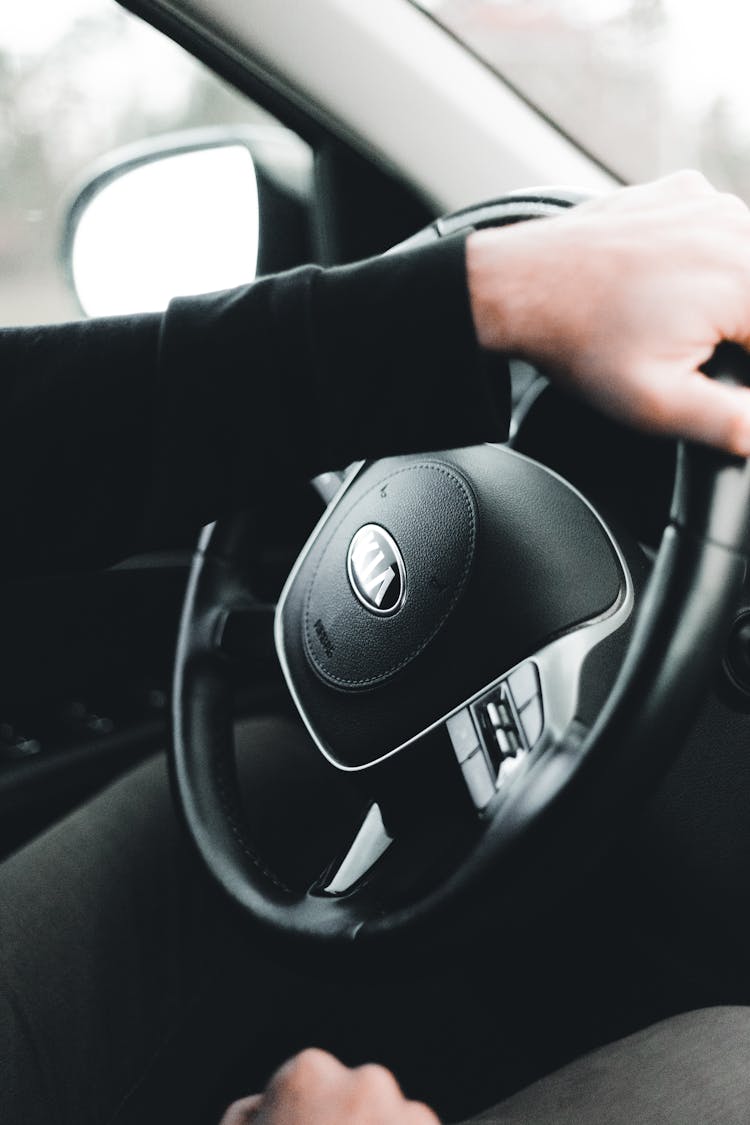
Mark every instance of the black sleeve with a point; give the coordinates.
(121, 433)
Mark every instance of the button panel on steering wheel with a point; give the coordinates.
(487, 584)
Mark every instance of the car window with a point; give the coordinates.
(78, 79)
(647, 86)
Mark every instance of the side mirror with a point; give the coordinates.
(174, 217)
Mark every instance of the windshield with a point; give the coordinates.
(647, 86)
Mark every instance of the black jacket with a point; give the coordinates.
(120, 434)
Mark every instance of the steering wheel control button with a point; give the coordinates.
(503, 739)
(376, 570)
(493, 714)
(479, 780)
(498, 714)
(508, 769)
(524, 684)
(463, 734)
(377, 654)
(507, 731)
(532, 721)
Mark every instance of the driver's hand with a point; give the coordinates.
(314, 1088)
(623, 299)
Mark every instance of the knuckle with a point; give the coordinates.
(738, 426)
(308, 1069)
(733, 202)
(690, 179)
(240, 1112)
(420, 1114)
(655, 405)
(377, 1080)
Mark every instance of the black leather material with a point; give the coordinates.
(203, 764)
(430, 511)
(462, 624)
(567, 798)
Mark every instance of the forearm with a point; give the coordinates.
(126, 434)
(122, 435)
(75, 459)
(309, 371)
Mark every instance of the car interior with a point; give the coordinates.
(539, 924)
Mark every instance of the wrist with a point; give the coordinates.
(500, 279)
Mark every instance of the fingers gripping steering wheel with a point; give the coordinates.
(461, 637)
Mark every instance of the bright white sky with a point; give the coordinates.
(35, 25)
(703, 53)
(142, 218)
(136, 57)
(703, 50)
(707, 49)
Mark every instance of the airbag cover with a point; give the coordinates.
(500, 556)
(428, 509)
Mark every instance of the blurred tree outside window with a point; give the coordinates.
(78, 79)
(647, 86)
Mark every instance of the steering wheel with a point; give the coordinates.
(465, 637)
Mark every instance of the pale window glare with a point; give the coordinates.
(29, 28)
(186, 224)
(79, 79)
(648, 86)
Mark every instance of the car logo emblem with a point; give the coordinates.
(376, 570)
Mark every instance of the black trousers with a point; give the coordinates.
(131, 993)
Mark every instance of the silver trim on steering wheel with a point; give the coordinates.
(559, 663)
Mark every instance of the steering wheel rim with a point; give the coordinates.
(573, 793)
